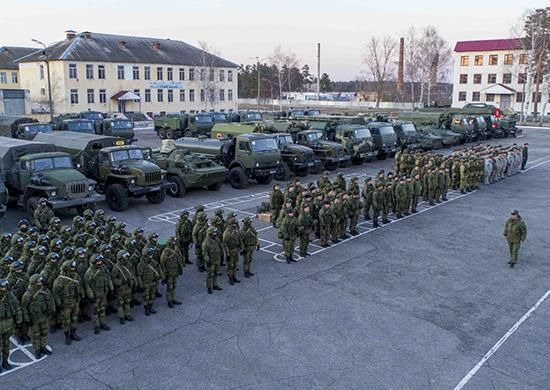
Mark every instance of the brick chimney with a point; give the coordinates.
(87, 34)
(400, 66)
(70, 34)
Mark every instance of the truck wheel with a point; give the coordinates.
(357, 160)
(188, 133)
(162, 133)
(169, 134)
(156, 197)
(282, 173)
(237, 178)
(117, 197)
(264, 179)
(215, 186)
(330, 166)
(180, 190)
(30, 206)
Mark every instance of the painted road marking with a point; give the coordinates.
(499, 343)
(19, 365)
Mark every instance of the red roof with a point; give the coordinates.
(489, 45)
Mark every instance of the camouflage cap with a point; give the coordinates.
(218, 212)
(247, 220)
(515, 212)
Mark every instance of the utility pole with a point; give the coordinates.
(48, 74)
(259, 83)
(318, 71)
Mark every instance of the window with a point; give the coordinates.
(478, 60)
(506, 78)
(182, 95)
(147, 95)
(203, 74)
(477, 78)
(490, 97)
(523, 59)
(89, 71)
(537, 97)
(522, 78)
(160, 95)
(43, 91)
(101, 71)
(191, 95)
(462, 96)
(74, 96)
(170, 95)
(120, 72)
(182, 74)
(230, 94)
(136, 91)
(191, 74)
(41, 72)
(464, 61)
(508, 59)
(492, 78)
(222, 75)
(202, 95)
(102, 96)
(72, 71)
(159, 73)
(519, 97)
(147, 73)
(14, 77)
(493, 59)
(230, 75)
(90, 95)
(222, 95)
(3, 78)
(211, 78)
(463, 79)
(475, 96)
(211, 95)
(135, 72)
(169, 75)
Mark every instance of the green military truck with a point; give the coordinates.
(385, 139)
(121, 171)
(34, 170)
(187, 170)
(77, 125)
(408, 137)
(436, 124)
(173, 126)
(297, 159)
(246, 116)
(116, 127)
(331, 154)
(246, 156)
(96, 117)
(10, 124)
(358, 142)
(29, 131)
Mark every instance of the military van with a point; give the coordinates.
(121, 171)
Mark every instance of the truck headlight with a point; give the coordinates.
(277, 161)
(78, 166)
(91, 187)
(258, 164)
(53, 193)
(132, 181)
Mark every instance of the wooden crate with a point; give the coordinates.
(264, 217)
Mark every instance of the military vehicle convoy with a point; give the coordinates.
(34, 170)
(121, 171)
(440, 125)
(246, 156)
(173, 126)
(10, 124)
(187, 170)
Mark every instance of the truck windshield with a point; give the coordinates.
(313, 113)
(43, 164)
(204, 119)
(127, 154)
(81, 127)
(121, 125)
(264, 145)
(252, 116)
(315, 136)
(408, 128)
(297, 113)
(219, 117)
(35, 129)
(285, 139)
(362, 133)
(386, 130)
(92, 115)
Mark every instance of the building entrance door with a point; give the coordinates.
(505, 101)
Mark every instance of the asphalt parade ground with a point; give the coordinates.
(425, 302)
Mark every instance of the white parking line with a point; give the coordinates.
(499, 343)
(19, 365)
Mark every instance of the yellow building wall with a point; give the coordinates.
(9, 83)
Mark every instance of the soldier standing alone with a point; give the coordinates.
(288, 233)
(515, 232)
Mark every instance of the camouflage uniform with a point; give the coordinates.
(305, 227)
(37, 308)
(233, 246)
(124, 282)
(98, 284)
(276, 201)
(67, 292)
(10, 316)
(171, 261)
(199, 235)
(149, 274)
(250, 242)
(19, 281)
(213, 252)
(288, 233)
(184, 236)
(42, 215)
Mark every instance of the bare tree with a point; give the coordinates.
(412, 60)
(283, 61)
(208, 79)
(379, 59)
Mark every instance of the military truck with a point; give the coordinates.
(173, 126)
(34, 170)
(9, 124)
(246, 116)
(29, 130)
(246, 156)
(437, 123)
(121, 171)
(357, 141)
(331, 154)
(77, 125)
(219, 117)
(408, 137)
(96, 117)
(187, 170)
(385, 139)
(115, 127)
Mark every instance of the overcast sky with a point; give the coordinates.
(241, 29)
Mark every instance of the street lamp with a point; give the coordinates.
(258, 60)
(48, 72)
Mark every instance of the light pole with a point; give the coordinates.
(48, 72)
(258, 60)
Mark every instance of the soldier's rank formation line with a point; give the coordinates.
(55, 277)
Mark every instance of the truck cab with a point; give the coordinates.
(78, 126)
(247, 116)
(385, 139)
(122, 128)
(463, 124)
(407, 136)
(219, 117)
(331, 154)
(357, 141)
(95, 116)
(29, 130)
(295, 158)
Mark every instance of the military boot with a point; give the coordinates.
(176, 302)
(96, 330)
(170, 305)
(68, 338)
(105, 327)
(236, 280)
(217, 288)
(129, 318)
(45, 351)
(147, 312)
(74, 336)
(151, 310)
(122, 321)
(231, 281)
(37, 355)
(6, 365)
(209, 290)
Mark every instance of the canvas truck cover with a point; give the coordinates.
(11, 150)
(77, 143)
